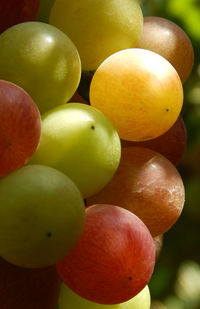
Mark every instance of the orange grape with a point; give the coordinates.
(139, 91)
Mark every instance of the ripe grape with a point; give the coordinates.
(98, 28)
(69, 299)
(170, 41)
(148, 185)
(42, 60)
(139, 91)
(20, 127)
(17, 11)
(41, 216)
(80, 141)
(171, 144)
(114, 259)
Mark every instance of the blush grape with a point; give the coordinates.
(170, 41)
(147, 184)
(114, 259)
(171, 144)
(20, 127)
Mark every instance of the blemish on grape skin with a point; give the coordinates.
(167, 109)
(130, 278)
(93, 127)
(49, 234)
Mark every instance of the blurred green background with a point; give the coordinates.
(175, 283)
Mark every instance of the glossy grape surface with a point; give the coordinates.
(41, 216)
(42, 60)
(139, 91)
(170, 41)
(80, 141)
(20, 127)
(98, 28)
(69, 299)
(147, 184)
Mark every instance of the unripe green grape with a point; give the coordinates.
(69, 299)
(80, 141)
(42, 60)
(41, 216)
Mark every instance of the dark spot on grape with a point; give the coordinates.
(93, 127)
(167, 109)
(49, 234)
(9, 143)
(130, 278)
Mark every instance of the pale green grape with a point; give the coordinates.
(41, 216)
(98, 28)
(81, 142)
(69, 299)
(42, 60)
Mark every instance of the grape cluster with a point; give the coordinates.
(87, 188)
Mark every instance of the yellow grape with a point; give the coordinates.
(139, 91)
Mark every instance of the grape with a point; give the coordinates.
(114, 259)
(20, 127)
(170, 41)
(17, 11)
(98, 28)
(42, 60)
(171, 144)
(41, 216)
(28, 288)
(80, 141)
(148, 185)
(139, 91)
(69, 299)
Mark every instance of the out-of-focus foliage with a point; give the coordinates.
(176, 280)
(188, 11)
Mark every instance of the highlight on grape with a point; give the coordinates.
(89, 183)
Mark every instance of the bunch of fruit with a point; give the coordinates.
(87, 189)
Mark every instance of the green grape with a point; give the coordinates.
(80, 141)
(98, 28)
(69, 299)
(42, 60)
(41, 216)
